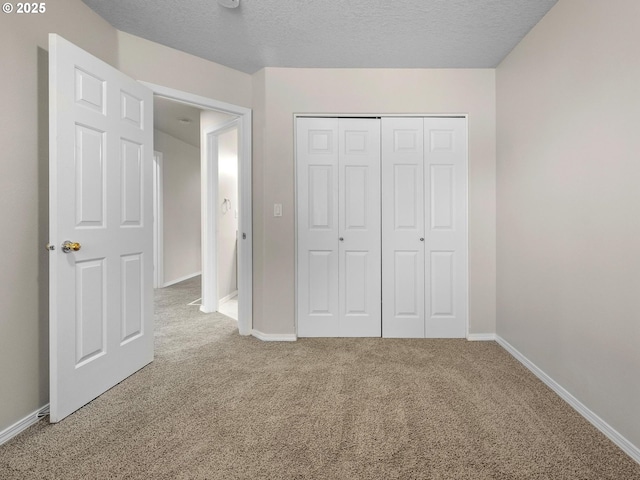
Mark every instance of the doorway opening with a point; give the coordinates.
(221, 149)
(223, 187)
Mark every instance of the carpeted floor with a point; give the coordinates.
(214, 405)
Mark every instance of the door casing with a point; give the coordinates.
(158, 215)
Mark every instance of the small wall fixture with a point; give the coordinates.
(229, 3)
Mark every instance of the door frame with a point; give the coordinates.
(158, 218)
(209, 204)
(210, 296)
(371, 115)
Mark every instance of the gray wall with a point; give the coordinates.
(281, 92)
(181, 202)
(568, 223)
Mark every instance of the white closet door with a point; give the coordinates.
(446, 227)
(360, 261)
(421, 277)
(317, 205)
(403, 228)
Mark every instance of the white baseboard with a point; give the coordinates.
(481, 337)
(274, 337)
(21, 425)
(228, 297)
(181, 279)
(611, 433)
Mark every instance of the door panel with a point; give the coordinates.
(132, 291)
(317, 227)
(90, 91)
(359, 200)
(91, 319)
(320, 197)
(101, 318)
(356, 201)
(131, 109)
(321, 282)
(131, 177)
(446, 238)
(406, 296)
(442, 284)
(402, 227)
(90, 177)
(442, 201)
(356, 283)
(407, 198)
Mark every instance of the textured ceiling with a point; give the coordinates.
(332, 33)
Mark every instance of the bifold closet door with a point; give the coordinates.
(424, 229)
(403, 293)
(317, 226)
(338, 226)
(446, 257)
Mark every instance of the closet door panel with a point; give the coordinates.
(359, 219)
(317, 227)
(446, 220)
(403, 227)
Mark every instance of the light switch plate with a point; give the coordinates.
(277, 209)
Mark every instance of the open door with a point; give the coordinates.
(101, 227)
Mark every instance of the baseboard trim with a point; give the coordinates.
(481, 337)
(274, 337)
(21, 425)
(181, 279)
(611, 433)
(228, 297)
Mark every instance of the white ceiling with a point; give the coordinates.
(167, 116)
(332, 33)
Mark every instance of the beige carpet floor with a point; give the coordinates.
(214, 405)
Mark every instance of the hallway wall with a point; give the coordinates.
(181, 220)
(228, 218)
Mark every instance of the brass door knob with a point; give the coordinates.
(68, 246)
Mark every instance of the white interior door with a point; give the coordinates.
(317, 226)
(101, 147)
(338, 224)
(446, 264)
(359, 240)
(403, 227)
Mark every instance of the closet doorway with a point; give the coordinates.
(381, 240)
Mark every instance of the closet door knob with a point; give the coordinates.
(422, 239)
(341, 239)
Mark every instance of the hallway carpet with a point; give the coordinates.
(214, 405)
